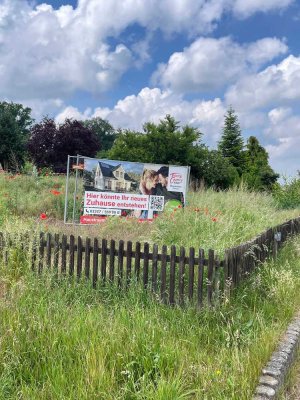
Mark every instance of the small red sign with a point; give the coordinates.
(91, 219)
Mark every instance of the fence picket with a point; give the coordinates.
(112, 260)
(41, 253)
(87, 258)
(128, 262)
(191, 273)
(56, 253)
(48, 250)
(72, 255)
(79, 257)
(172, 275)
(210, 276)
(163, 276)
(103, 259)
(146, 265)
(120, 262)
(154, 267)
(137, 260)
(95, 262)
(200, 277)
(63, 254)
(181, 275)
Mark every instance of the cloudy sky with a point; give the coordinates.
(132, 61)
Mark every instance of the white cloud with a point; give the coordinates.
(245, 8)
(153, 105)
(58, 51)
(277, 84)
(212, 63)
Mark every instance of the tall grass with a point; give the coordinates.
(64, 340)
(210, 220)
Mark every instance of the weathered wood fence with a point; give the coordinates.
(175, 276)
(240, 261)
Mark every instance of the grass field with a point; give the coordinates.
(64, 340)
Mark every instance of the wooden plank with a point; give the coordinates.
(41, 253)
(200, 278)
(128, 262)
(103, 259)
(120, 262)
(172, 275)
(56, 253)
(154, 267)
(72, 255)
(33, 253)
(210, 275)
(191, 272)
(48, 250)
(63, 254)
(79, 257)
(87, 258)
(146, 265)
(112, 248)
(163, 276)
(181, 275)
(137, 260)
(95, 262)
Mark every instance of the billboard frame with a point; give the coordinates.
(76, 166)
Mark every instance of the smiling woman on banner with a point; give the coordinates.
(173, 199)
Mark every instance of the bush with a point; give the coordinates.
(288, 194)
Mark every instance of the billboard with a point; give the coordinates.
(123, 188)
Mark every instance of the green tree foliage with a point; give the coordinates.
(49, 145)
(163, 143)
(231, 144)
(15, 122)
(218, 172)
(104, 131)
(258, 174)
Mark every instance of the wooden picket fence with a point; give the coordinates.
(175, 276)
(240, 261)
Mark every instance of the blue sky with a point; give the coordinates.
(136, 61)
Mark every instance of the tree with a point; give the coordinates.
(231, 144)
(258, 173)
(162, 143)
(15, 122)
(49, 145)
(104, 131)
(218, 172)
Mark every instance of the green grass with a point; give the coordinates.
(64, 340)
(216, 220)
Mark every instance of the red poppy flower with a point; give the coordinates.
(55, 192)
(214, 219)
(197, 209)
(180, 206)
(43, 216)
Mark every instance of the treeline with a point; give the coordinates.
(48, 144)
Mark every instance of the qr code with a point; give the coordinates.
(156, 203)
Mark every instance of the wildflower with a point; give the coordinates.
(180, 206)
(206, 210)
(55, 192)
(197, 209)
(43, 216)
(214, 219)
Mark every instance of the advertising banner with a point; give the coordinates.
(122, 188)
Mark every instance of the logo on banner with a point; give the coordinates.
(176, 178)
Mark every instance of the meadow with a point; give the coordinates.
(61, 339)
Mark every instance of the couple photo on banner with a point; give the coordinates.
(155, 183)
